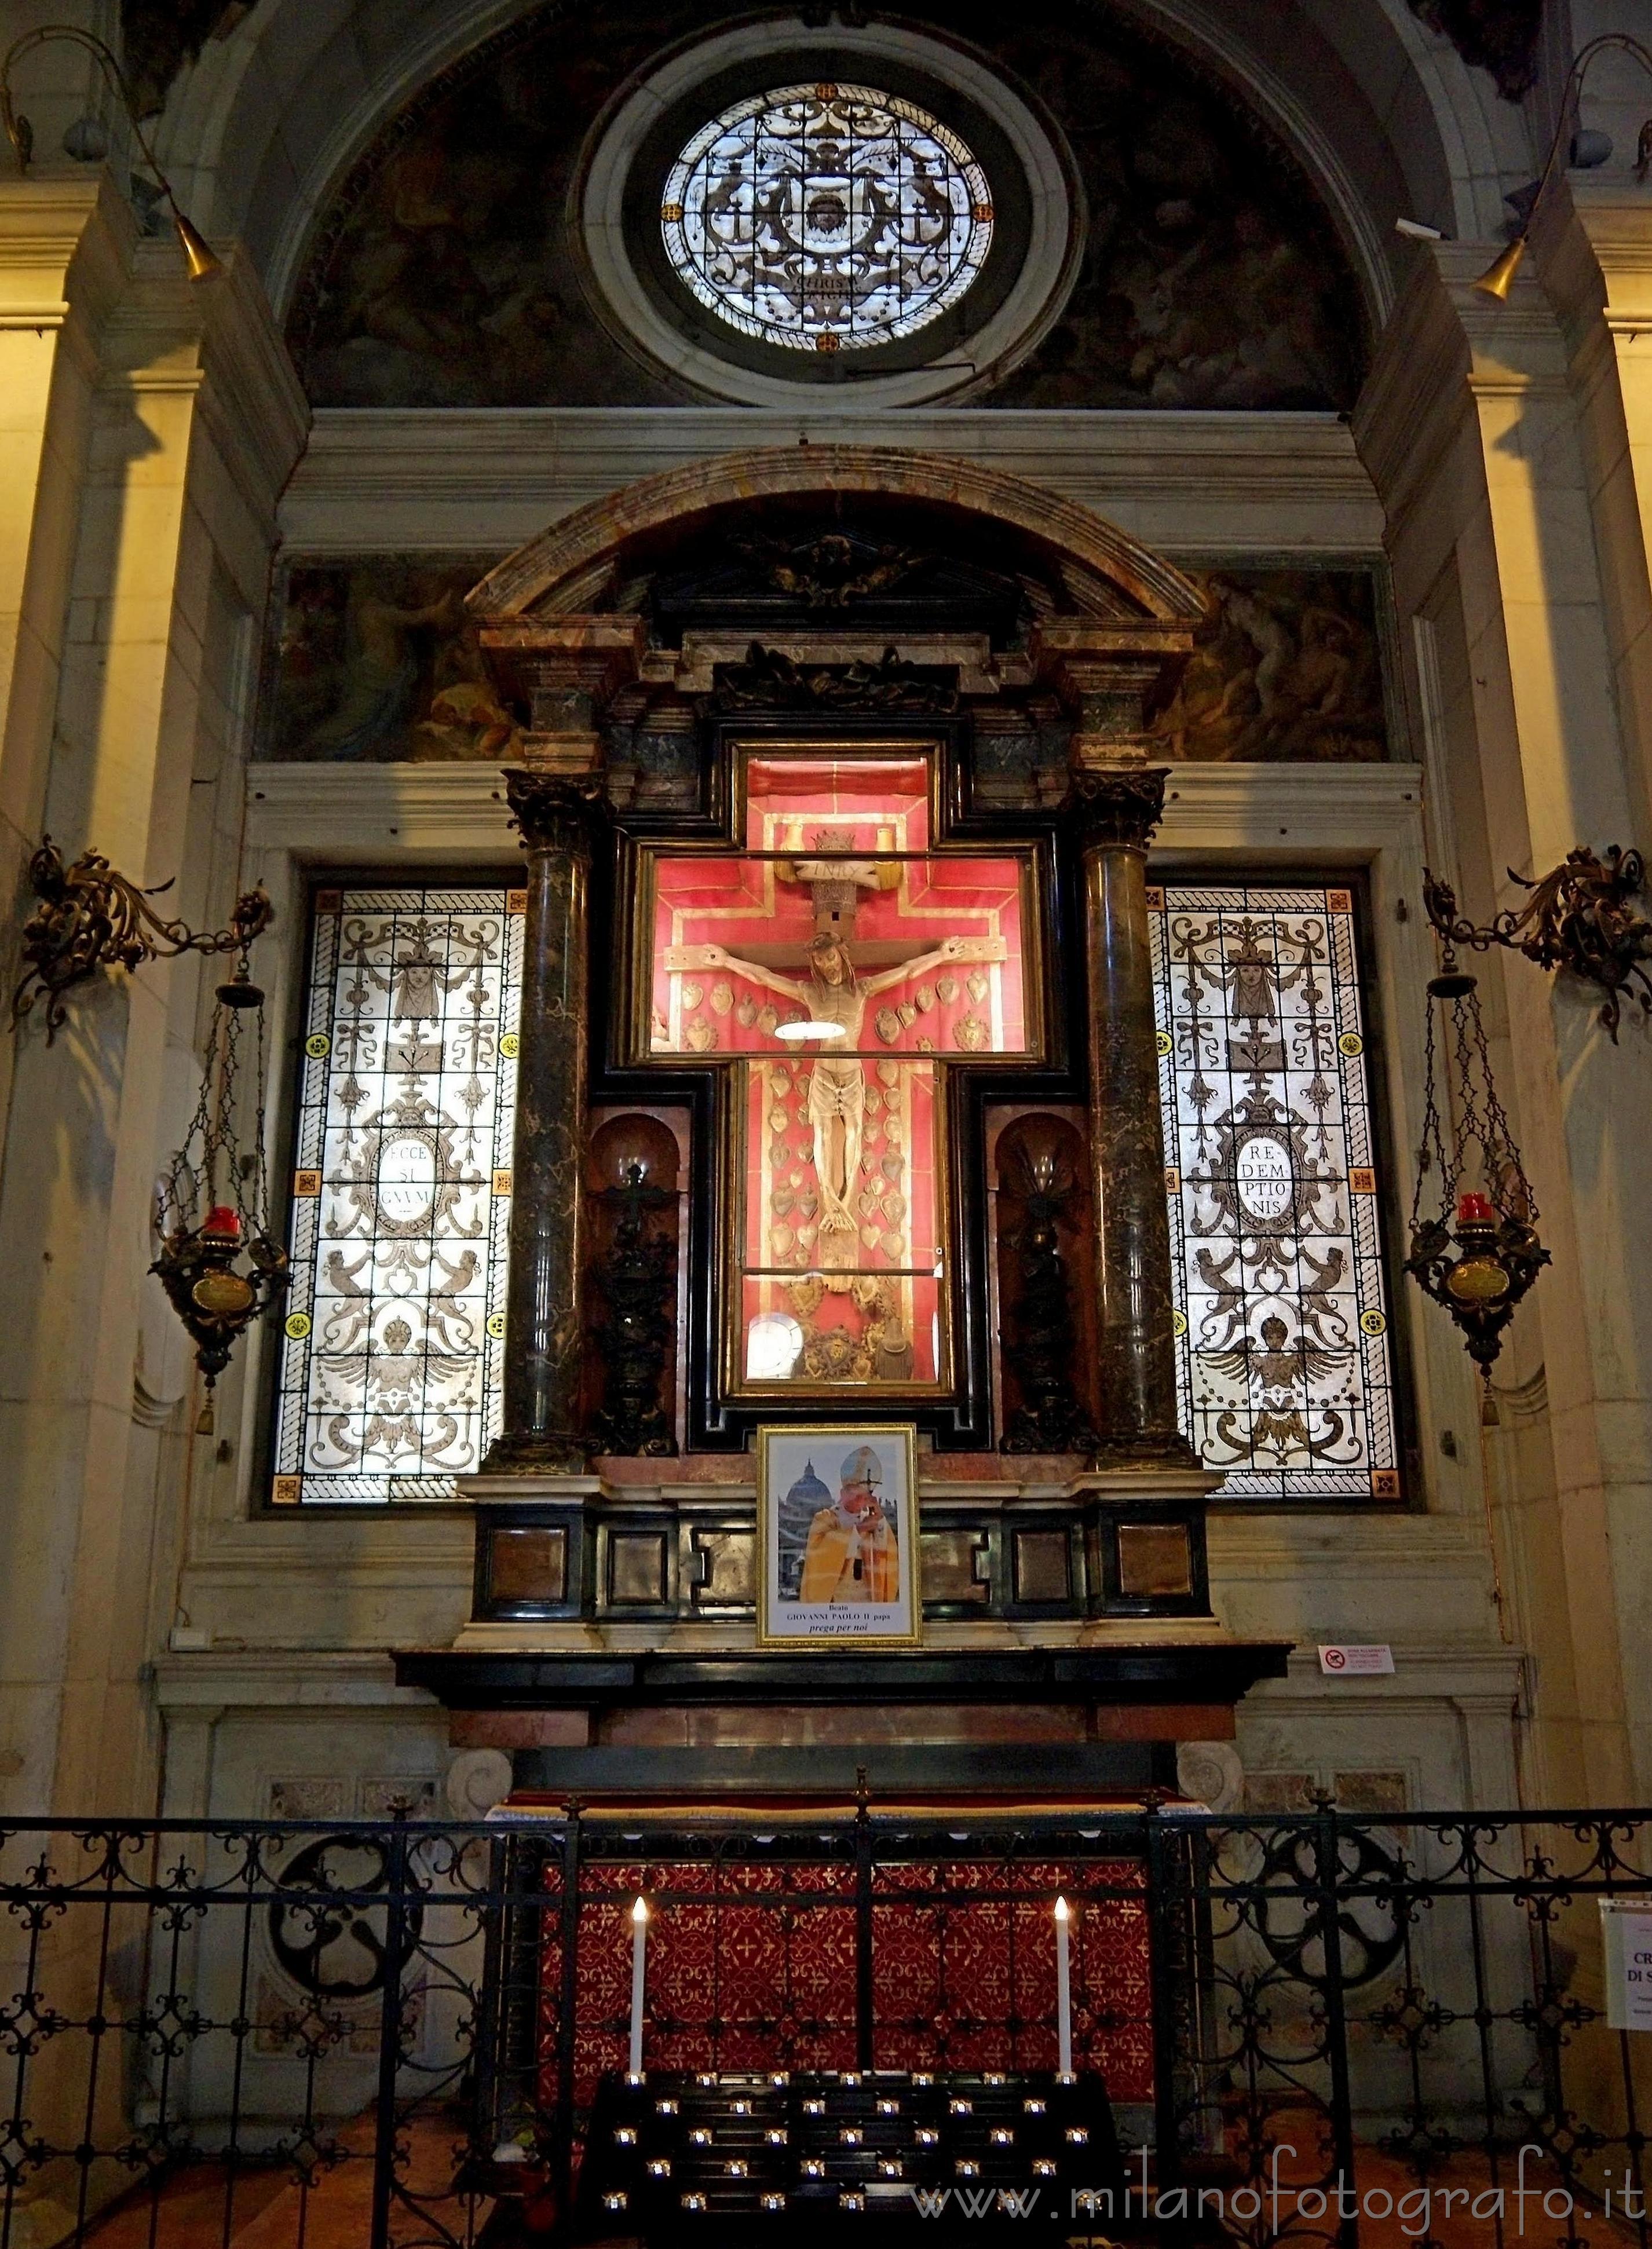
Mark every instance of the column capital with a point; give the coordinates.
(1593, 244)
(51, 225)
(1119, 806)
(555, 811)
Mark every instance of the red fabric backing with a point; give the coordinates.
(752, 1967)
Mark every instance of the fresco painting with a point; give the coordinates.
(446, 273)
(375, 662)
(1289, 667)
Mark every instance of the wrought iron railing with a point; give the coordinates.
(1307, 2023)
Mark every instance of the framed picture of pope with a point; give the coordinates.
(837, 1536)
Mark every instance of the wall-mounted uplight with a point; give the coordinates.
(86, 139)
(1585, 150)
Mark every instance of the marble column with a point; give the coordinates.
(558, 814)
(1116, 811)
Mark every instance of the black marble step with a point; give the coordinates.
(1086, 1772)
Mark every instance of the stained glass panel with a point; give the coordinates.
(826, 217)
(392, 1356)
(1285, 1367)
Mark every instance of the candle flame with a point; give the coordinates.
(1062, 1909)
(639, 1911)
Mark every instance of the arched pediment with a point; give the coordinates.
(576, 566)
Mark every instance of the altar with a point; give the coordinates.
(843, 1419)
(840, 1554)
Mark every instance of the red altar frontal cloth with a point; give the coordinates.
(751, 1954)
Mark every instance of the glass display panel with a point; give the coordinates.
(391, 1368)
(861, 1302)
(1286, 1364)
(933, 955)
(826, 217)
(883, 801)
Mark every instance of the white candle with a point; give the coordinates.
(639, 1949)
(1063, 1990)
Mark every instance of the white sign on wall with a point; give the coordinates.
(1341, 1660)
(1626, 1938)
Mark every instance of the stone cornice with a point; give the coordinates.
(357, 452)
(480, 482)
(65, 245)
(589, 658)
(343, 814)
(1593, 251)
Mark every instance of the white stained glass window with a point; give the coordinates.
(392, 1359)
(826, 217)
(1286, 1367)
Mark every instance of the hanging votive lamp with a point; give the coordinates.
(219, 1264)
(1479, 1253)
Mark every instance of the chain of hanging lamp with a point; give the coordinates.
(218, 1262)
(1478, 1254)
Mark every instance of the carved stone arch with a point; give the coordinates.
(568, 569)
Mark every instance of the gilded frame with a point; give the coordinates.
(781, 1451)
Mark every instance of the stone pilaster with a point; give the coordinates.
(558, 814)
(65, 248)
(1475, 424)
(171, 421)
(1116, 812)
(1593, 253)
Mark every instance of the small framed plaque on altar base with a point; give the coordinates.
(837, 1536)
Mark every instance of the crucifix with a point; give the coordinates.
(839, 968)
(837, 996)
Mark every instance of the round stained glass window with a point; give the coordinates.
(826, 217)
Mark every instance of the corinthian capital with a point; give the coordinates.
(555, 812)
(1120, 806)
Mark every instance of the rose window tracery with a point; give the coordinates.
(826, 217)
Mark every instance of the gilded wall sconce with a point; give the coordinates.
(91, 916)
(1578, 918)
